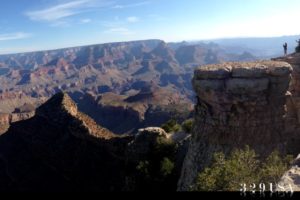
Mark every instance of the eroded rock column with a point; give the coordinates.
(239, 104)
(294, 60)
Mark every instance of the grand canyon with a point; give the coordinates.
(122, 86)
(150, 96)
(87, 118)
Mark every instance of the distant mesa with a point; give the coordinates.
(123, 68)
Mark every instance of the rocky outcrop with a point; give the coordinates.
(294, 60)
(152, 131)
(144, 142)
(239, 104)
(150, 147)
(61, 109)
(290, 181)
(16, 117)
(292, 177)
(7, 119)
(61, 149)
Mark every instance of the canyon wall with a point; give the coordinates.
(294, 60)
(292, 177)
(241, 104)
(7, 119)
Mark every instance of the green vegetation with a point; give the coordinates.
(167, 167)
(157, 171)
(171, 126)
(241, 166)
(274, 166)
(143, 167)
(187, 125)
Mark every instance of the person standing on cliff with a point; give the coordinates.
(285, 46)
(298, 46)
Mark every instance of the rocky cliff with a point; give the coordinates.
(294, 60)
(292, 177)
(60, 149)
(241, 104)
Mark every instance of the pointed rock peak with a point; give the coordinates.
(58, 104)
(61, 112)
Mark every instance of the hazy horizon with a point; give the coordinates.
(36, 25)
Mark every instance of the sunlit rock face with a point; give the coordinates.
(239, 104)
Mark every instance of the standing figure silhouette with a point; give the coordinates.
(285, 47)
(298, 46)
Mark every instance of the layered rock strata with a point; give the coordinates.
(239, 104)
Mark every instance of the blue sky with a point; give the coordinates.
(29, 25)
